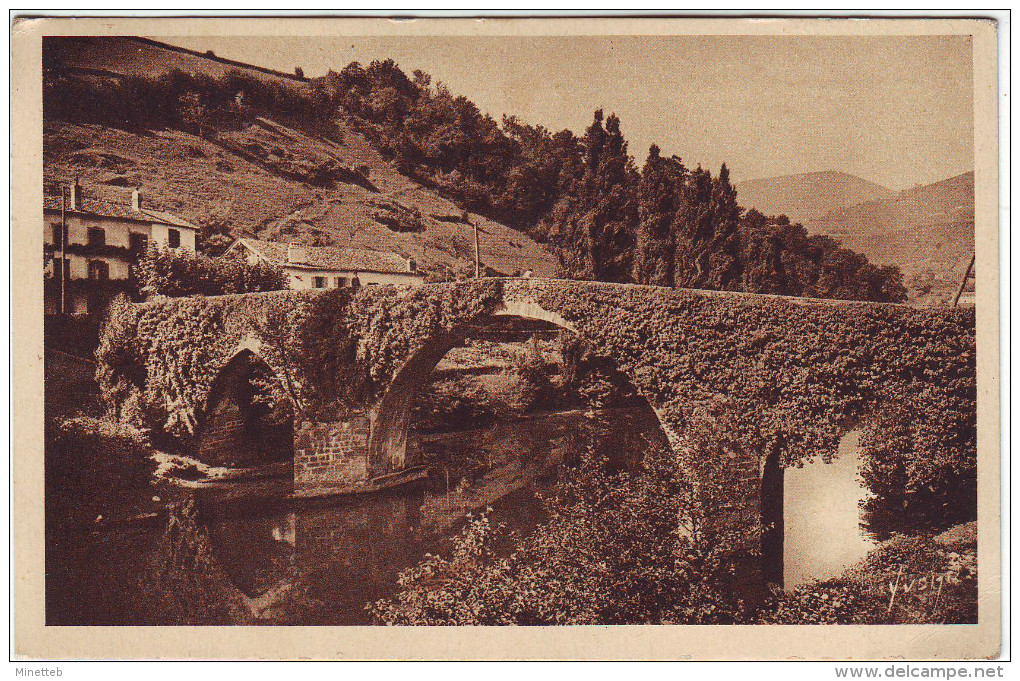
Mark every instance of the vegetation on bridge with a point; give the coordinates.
(770, 375)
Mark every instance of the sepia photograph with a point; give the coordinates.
(427, 326)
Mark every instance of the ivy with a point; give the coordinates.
(773, 372)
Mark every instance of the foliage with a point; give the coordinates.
(94, 464)
(934, 579)
(452, 403)
(613, 552)
(591, 377)
(665, 225)
(193, 102)
(216, 232)
(176, 272)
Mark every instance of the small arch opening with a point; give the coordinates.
(246, 422)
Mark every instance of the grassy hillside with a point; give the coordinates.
(134, 56)
(926, 227)
(808, 196)
(278, 183)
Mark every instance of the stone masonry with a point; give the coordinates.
(332, 453)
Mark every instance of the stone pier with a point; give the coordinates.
(332, 454)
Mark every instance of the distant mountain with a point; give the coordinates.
(808, 196)
(925, 227)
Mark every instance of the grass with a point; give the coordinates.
(194, 177)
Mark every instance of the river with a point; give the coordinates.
(322, 561)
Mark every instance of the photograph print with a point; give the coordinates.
(516, 328)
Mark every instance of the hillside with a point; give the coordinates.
(266, 179)
(925, 227)
(808, 196)
(262, 181)
(372, 157)
(135, 56)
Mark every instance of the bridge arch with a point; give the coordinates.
(238, 425)
(391, 416)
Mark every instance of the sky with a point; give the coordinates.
(896, 110)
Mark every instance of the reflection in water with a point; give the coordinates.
(322, 561)
(347, 552)
(822, 516)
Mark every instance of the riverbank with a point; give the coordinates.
(928, 579)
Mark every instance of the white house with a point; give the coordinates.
(103, 240)
(329, 266)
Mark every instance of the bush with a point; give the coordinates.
(614, 552)
(175, 273)
(935, 581)
(74, 334)
(94, 465)
(452, 404)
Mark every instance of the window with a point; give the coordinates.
(99, 270)
(173, 238)
(139, 243)
(318, 282)
(97, 236)
(341, 282)
(55, 234)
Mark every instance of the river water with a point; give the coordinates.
(322, 561)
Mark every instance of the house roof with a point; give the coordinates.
(332, 258)
(120, 211)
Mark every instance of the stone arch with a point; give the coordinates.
(391, 417)
(772, 501)
(236, 429)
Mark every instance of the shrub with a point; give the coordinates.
(92, 466)
(914, 488)
(613, 552)
(935, 582)
(174, 273)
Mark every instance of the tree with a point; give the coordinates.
(174, 272)
(599, 219)
(660, 193)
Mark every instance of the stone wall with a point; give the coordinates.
(332, 453)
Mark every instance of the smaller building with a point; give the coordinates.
(309, 267)
(93, 244)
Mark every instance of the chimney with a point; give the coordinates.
(296, 254)
(74, 192)
(136, 200)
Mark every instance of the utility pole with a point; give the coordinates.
(63, 250)
(478, 262)
(963, 284)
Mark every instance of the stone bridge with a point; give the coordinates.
(743, 385)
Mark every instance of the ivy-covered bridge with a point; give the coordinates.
(743, 385)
